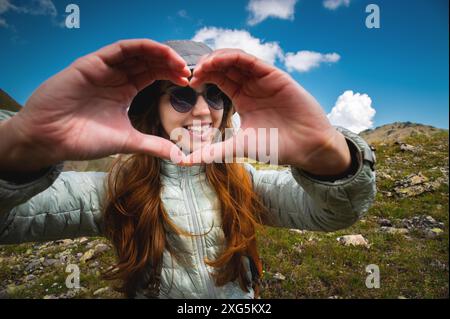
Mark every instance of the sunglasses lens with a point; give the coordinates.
(216, 98)
(183, 99)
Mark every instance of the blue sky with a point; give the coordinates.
(399, 70)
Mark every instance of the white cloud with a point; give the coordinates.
(304, 61)
(39, 7)
(263, 9)
(353, 111)
(271, 52)
(218, 38)
(182, 13)
(33, 7)
(5, 5)
(334, 4)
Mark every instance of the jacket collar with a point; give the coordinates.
(172, 170)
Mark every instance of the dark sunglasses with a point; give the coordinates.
(183, 99)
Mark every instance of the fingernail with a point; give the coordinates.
(197, 70)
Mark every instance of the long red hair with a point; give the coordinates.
(136, 222)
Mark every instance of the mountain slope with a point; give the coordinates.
(397, 131)
(8, 103)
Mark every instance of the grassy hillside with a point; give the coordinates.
(413, 261)
(8, 103)
(405, 233)
(397, 131)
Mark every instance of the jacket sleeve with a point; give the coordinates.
(298, 200)
(52, 205)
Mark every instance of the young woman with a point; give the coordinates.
(179, 231)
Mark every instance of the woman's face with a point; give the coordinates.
(199, 122)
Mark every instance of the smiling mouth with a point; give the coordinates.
(201, 132)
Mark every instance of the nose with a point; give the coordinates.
(201, 108)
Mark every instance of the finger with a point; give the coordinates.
(234, 58)
(133, 66)
(237, 75)
(139, 69)
(228, 86)
(144, 79)
(202, 59)
(138, 65)
(99, 73)
(155, 146)
(243, 143)
(96, 70)
(222, 152)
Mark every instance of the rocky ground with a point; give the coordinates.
(405, 234)
(40, 270)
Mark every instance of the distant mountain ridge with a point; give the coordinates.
(397, 132)
(8, 103)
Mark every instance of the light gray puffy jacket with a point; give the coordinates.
(60, 205)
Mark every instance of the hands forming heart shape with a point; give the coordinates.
(81, 112)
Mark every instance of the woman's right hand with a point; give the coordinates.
(81, 112)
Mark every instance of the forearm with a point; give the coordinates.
(18, 155)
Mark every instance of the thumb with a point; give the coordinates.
(222, 152)
(260, 146)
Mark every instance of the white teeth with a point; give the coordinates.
(198, 129)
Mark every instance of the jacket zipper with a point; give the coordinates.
(204, 272)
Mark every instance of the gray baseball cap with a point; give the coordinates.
(190, 51)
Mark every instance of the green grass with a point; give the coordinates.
(315, 264)
(324, 268)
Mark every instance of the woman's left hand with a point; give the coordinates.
(267, 97)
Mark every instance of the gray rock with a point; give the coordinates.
(384, 175)
(279, 276)
(87, 256)
(30, 277)
(408, 148)
(100, 248)
(64, 242)
(72, 293)
(439, 265)
(101, 291)
(83, 240)
(384, 222)
(297, 231)
(421, 222)
(416, 184)
(432, 233)
(50, 262)
(353, 240)
(394, 231)
(33, 265)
